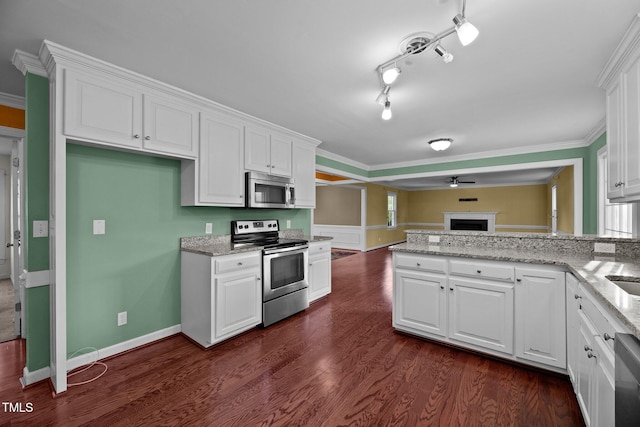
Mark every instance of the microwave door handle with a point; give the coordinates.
(290, 195)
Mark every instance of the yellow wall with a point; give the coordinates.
(564, 182)
(516, 205)
(11, 117)
(336, 205)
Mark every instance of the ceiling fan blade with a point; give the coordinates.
(466, 182)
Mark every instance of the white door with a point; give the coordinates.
(17, 254)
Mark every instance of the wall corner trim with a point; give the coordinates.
(28, 63)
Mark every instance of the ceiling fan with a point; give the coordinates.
(454, 181)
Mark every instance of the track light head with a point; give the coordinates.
(466, 31)
(390, 74)
(446, 55)
(386, 113)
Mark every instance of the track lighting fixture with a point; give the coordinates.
(386, 112)
(446, 56)
(422, 42)
(440, 144)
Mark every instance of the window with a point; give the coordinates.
(614, 219)
(392, 214)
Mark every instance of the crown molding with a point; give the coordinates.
(596, 132)
(28, 63)
(12, 101)
(338, 158)
(627, 50)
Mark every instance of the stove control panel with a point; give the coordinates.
(259, 226)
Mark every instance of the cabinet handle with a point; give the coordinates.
(576, 296)
(147, 137)
(518, 280)
(587, 348)
(268, 166)
(590, 355)
(441, 287)
(479, 271)
(451, 289)
(239, 263)
(258, 279)
(608, 337)
(136, 136)
(273, 166)
(418, 264)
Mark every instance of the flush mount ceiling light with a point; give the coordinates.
(440, 144)
(421, 42)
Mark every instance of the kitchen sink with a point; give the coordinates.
(629, 284)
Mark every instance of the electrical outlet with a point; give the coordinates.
(208, 228)
(122, 318)
(288, 223)
(434, 239)
(604, 248)
(99, 226)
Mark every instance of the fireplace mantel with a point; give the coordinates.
(489, 216)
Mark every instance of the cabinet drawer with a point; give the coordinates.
(482, 270)
(231, 263)
(319, 248)
(421, 262)
(597, 318)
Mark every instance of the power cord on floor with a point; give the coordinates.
(87, 367)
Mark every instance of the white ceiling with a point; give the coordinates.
(526, 83)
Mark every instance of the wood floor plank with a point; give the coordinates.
(339, 363)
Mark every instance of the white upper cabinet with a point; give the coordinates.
(216, 178)
(304, 175)
(267, 152)
(102, 110)
(111, 111)
(621, 80)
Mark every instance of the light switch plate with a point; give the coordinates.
(208, 228)
(122, 318)
(99, 226)
(434, 239)
(40, 228)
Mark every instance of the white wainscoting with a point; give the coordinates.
(344, 236)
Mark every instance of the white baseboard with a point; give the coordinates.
(29, 378)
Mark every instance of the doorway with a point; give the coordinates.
(11, 227)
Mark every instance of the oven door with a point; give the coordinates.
(284, 271)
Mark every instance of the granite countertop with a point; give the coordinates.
(589, 269)
(220, 245)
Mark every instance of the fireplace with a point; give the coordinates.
(470, 221)
(470, 224)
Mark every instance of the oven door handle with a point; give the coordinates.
(285, 250)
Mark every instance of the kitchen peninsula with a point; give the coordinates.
(547, 301)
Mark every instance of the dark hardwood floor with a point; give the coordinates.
(338, 363)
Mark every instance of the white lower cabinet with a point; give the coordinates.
(540, 316)
(502, 308)
(592, 358)
(573, 305)
(319, 269)
(221, 296)
(481, 313)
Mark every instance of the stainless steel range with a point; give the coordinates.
(284, 267)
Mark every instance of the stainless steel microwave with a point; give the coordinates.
(269, 191)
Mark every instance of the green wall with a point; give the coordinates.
(135, 266)
(36, 193)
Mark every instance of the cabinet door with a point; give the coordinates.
(572, 328)
(102, 110)
(304, 175)
(170, 127)
(615, 134)
(586, 368)
(420, 303)
(319, 276)
(631, 140)
(481, 313)
(257, 151)
(540, 316)
(281, 155)
(238, 303)
(221, 175)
